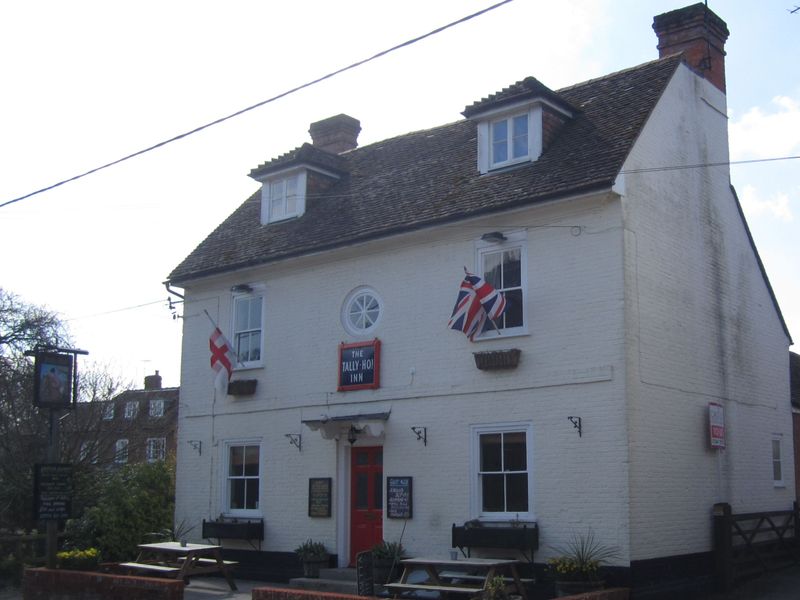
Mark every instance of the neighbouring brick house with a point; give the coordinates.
(136, 426)
(639, 314)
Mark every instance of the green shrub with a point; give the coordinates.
(78, 560)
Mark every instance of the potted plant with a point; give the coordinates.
(313, 555)
(576, 570)
(385, 559)
(78, 560)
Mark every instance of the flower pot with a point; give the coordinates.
(311, 567)
(382, 571)
(570, 588)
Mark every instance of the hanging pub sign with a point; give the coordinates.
(716, 425)
(52, 385)
(52, 491)
(399, 499)
(359, 366)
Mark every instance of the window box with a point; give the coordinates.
(242, 387)
(524, 538)
(234, 529)
(497, 359)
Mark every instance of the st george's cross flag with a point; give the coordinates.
(477, 301)
(222, 358)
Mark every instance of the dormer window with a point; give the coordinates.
(509, 140)
(283, 197)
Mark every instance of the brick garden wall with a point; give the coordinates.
(59, 584)
(267, 593)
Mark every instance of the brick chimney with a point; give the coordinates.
(700, 35)
(152, 382)
(336, 134)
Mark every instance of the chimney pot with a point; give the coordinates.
(700, 35)
(336, 134)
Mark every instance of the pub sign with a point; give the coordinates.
(52, 385)
(716, 425)
(359, 366)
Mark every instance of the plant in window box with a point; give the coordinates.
(313, 555)
(577, 569)
(385, 561)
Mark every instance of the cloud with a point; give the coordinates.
(755, 206)
(767, 132)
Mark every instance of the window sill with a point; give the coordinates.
(248, 367)
(504, 334)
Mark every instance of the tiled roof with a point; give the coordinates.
(530, 87)
(430, 177)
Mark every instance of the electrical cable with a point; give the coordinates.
(262, 103)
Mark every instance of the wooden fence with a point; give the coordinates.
(749, 544)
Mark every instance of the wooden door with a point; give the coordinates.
(366, 499)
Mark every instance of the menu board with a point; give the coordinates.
(319, 497)
(52, 491)
(399, 499)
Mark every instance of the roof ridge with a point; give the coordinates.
(620, 72)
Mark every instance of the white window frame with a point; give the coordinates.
(777, 461)
(486, 162)
(88, 451)
(257, 293)
(514, 239)
(108, 411)
(131, 409)
(156, 449)
(346, 306)
(225, 479)
(156, 408)
(475, 482)
(279, 181)
(121, 451)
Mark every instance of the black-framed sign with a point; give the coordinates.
(319, 496)
(359, 366)
(52, 491)
(52, 384)
(399, 498)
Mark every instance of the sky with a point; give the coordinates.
(88, 82)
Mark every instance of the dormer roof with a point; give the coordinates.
(304, 156)
(529, 89)
(428, 178)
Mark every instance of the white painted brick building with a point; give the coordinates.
(639, 299)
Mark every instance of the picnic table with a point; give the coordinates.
(469, 576)
(181, 561)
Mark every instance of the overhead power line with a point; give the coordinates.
(263, 102)
(706, 165)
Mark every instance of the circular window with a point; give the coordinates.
(361, 311)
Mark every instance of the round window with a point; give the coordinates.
(361, 311)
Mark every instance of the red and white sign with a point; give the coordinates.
(716, 425)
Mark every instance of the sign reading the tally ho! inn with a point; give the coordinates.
(359, 366)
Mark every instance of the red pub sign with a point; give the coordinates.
(359, 366)
(716, 425)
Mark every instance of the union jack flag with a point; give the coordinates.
(477, 301)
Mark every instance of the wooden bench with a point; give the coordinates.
(147, 567)
(210, 561)
(465, 577)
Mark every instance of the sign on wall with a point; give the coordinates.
(52, 491)
(359, 366)
(716, 425)
(52, 384)
(319, 497)
(399, 498)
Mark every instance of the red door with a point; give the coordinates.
(366, 499)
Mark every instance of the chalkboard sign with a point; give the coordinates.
(52, 491)
(399, 499)
(359, 366)
(319, 497)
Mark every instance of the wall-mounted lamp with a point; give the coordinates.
(295, 440)
(422, 434)
(197, 445)
(241, 288)
(577, 423)
(494, 237)
(352, 434)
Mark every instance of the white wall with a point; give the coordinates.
(571, 364)
(701, 328)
